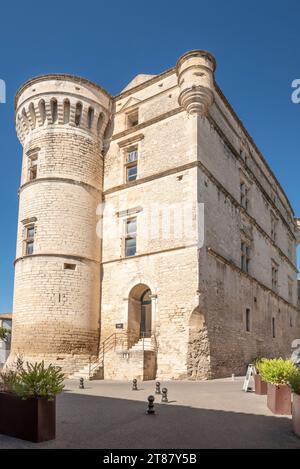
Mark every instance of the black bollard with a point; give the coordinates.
(134, 385)
(81, 383)
(157, 388)
(164, 397)
(150, 410)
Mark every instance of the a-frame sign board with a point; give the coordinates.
(250, 372)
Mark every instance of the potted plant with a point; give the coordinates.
(277, 373)
(295, 385)
(27, 401)
(261, 386)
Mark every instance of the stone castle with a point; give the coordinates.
(101, 288)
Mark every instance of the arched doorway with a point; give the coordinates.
(139, 312)
(145, 330)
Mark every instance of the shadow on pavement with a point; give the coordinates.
(85, 421)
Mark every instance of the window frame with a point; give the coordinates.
(248, 320)
(274, 223)
(275, 275)
(273, 328)
(132, 119)
(32, 165)
(129, 236)
(29, 240)
(245, 256)
(244, 195)
(134, 163)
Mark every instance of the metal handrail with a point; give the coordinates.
(125, 340)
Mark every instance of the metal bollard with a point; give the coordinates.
(134, 385)
(164, 397)
(150, 410)
(157, 388)
(81, 383)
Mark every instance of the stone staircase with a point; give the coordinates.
(88, 372)
(117, 357)
(143, 344)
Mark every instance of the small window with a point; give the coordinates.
(54, 111)
(29, 240)
(131, 165)
(273, 227)
(78, 114)
(130, 237)
(274, 277)
(245, 257)
(248, 325)
(244, 193)
(42, 110)
(273, 328)
(90, 117)
(132, 119)
(131, 173)
(33, 172)
(32, 166)
(69, 266)
(67, 110)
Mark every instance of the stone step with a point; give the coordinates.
(85, 372)
(143, 344)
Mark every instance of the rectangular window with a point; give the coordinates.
(33, 173)
(248, 325)
(245, 257)
(29, 241)
(131, 165)
(275, 277)
(273, 328)
(132, 119)
(32, 167)
(69, 266)
(273, 227)
(244, 192)
(130, 237)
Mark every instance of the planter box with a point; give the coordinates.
(261, 387)
(279, 399)
(31, 419)
(296, 414)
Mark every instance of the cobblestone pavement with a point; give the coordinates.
(207, 414)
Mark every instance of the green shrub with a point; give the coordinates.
(277, 370)
(295, 382)
(4, 333)
(34, 381)
(257, 363)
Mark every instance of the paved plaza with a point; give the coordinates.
(207, 414)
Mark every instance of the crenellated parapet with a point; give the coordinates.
(195, 72)
(61, 101)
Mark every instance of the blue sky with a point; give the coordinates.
(256, 44)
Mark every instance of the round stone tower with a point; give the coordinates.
(195, 72)
(60, 122)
